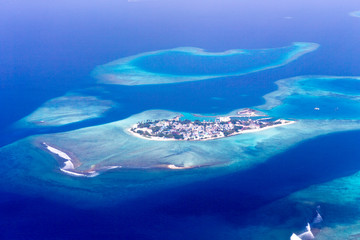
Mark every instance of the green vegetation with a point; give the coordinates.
(199, 130)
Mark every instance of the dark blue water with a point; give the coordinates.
(48, 49)
(203, 210)
(45, 57)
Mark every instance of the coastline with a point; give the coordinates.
(146, 138)
(175, 167)
(163, 139)
(70, 163)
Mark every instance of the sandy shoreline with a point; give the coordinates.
(69, 163)
(152, 138)
(207, 139)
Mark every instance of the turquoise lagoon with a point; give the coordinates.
(194, 64)
(117, 167)
(139, 162)
(240, 191)
(315, 97)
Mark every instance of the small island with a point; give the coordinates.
(244, 121)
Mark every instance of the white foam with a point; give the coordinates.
(308, 234)
(111, 167)
(92, 174)
(76, 174)
(294, 237)
(73, 173)
(68, 163)
(57, 152)
(305, 235)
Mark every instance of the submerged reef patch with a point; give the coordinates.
(138, 162)
(110, 145)
(339, 200)
(315, 97)
(194, 64)
(65, 110)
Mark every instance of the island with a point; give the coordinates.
(244, 121)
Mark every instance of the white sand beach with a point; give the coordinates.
(283, 123)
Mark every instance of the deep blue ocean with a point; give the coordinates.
(48, 48)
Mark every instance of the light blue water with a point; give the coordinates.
(343, 86)
(321, 98)
(49, 48)
(192, 64)
(304, 107)
(193, 117)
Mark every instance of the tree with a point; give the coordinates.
(169, 136)
(156, 128)
(237, 128)
(178, 136)
(226, 133)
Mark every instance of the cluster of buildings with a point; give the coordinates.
(200, 130)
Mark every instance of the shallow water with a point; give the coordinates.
(226, 202)
(49, 49)
(191, 64)
(315, 97)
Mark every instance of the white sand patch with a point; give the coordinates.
(73, 173)
(57, 152)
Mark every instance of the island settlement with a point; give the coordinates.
(186, 130)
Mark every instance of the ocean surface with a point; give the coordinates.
(49, 50)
